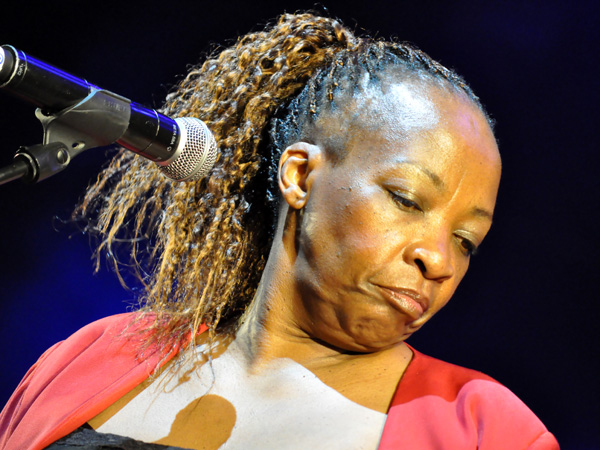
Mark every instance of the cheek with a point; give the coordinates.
(366, 222)
(354, 234)
(340, 225)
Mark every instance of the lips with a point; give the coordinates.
(407, 301)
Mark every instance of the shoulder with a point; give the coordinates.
(77, 378)
(96, 340)
(441, 402)
(100, 333)
(430, 376)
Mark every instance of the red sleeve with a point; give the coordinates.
(440, 405)
(73, 381)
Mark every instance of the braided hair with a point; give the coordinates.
(200, 248)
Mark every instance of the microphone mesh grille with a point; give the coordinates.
(196, 154)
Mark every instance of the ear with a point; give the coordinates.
(296, 165)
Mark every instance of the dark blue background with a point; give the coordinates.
(527, 313)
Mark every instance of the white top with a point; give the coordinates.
(283, 406)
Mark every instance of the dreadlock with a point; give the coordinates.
(199, 248)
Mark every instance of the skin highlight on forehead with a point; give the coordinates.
(389, 105)
(393, 96)
(394, 111)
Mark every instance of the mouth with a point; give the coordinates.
(409, 302)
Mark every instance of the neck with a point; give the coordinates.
(269, 332)
(272, 327)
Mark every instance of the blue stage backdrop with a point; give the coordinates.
(527, 312)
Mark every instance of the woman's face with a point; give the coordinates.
(386, 234)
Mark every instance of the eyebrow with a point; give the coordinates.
(437, 181)
(480, 212)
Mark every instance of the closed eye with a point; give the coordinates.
(405, 202)
(468, 247)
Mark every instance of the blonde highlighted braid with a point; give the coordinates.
(200, 248)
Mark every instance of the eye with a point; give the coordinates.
(468, 247)
(405, 202)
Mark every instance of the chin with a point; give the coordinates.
(383, 344)
(367, 342)
(380, 337)
(362, 333)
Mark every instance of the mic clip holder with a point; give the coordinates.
(41, 161)
(98, 120)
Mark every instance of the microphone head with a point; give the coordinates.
(195, 154)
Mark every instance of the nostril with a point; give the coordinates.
(421, 265)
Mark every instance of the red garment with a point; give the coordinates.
(436, 406)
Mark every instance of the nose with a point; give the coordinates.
(432, 257)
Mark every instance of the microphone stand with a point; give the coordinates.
(98, 120)
(36, 163)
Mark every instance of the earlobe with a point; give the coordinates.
(296, 165)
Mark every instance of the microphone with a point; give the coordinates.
(184, 148)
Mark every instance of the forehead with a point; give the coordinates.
(389, 114)
(403, 104)
(369, 104)
(413, 128)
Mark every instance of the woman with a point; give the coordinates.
(355, 179)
